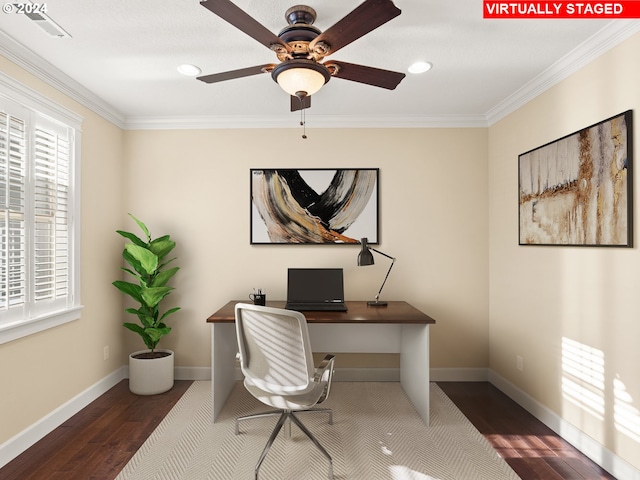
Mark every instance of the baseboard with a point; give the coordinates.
(608, 460)
(366, 375)
(459, 375)
(359, 374)
(29, 436)
(192, 373)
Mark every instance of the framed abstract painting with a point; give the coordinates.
(577, 191)
(314, 206)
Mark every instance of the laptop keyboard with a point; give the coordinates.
(317, 307)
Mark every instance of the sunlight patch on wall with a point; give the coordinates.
(626, 416)
(583, 377)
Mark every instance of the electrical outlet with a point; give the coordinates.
(105, 352)
(520, 362)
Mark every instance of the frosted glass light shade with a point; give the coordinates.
(300, 80)
(301, 76)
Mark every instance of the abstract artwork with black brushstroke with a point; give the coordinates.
(314, 206)
(576, 191)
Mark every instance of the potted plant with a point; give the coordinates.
(151, 370)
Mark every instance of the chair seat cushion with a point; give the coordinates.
(287, 402)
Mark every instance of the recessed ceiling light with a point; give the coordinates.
(189, 70)
(420, 67)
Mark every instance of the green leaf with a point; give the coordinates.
(157, 333)
(160, 267)
(131, 260)
(146, 259)
(162, 278)
(134, 238)
(146, 338)
(162, 246)
(169, 312)
(130, 289)
(143, 227)
(152, 296)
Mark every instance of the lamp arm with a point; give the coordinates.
(381, 253)
(393, 260)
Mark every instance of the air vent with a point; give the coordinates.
(48, 25)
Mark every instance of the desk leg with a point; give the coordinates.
(223, 351)
(414, 367)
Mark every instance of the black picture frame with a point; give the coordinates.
(577, 190)
(314, 206)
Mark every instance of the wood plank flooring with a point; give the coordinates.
(96, 443)
(534, 451)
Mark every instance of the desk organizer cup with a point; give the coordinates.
(259, 298)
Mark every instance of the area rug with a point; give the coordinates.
(376, 435)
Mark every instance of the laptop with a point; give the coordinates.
(315, 289)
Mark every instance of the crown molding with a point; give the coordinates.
(48, 73)
(612, 34)
(312, 121)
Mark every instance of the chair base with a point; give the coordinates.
(277, 413)
(284, 416)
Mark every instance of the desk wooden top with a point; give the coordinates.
(357, 312)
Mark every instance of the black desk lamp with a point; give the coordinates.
(365, 257)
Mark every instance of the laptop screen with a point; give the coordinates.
(315, 285)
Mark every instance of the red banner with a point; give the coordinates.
(561, 9)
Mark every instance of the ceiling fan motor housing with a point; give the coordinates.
(300, 14)
(300, 31)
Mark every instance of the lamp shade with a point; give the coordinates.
(365, 257)
(296, 76)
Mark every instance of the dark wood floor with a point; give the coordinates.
(532, 449)
(96, 443)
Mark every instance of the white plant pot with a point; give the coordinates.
(150, 376)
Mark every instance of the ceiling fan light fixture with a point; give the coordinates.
(300, 76)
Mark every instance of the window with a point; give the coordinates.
(39, 213)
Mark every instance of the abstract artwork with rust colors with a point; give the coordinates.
(576, 191)
(314, 206)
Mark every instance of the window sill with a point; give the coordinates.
(16, 330)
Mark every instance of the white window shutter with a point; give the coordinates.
(13, 288)
(51, 211)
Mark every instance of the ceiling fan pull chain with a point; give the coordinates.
(303, 116)
(303, 122)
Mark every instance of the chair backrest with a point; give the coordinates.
(275, 351)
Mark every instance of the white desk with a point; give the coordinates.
(396, 328)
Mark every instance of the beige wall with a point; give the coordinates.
(43, 371)
(433, 210)
(553, 305)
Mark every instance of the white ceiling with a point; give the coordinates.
(125, 54)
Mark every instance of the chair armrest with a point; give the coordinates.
(324, 374)
(325, 368)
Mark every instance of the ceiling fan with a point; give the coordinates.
(302, 47)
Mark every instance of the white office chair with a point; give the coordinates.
(277, 363)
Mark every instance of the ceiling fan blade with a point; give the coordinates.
(230, 75)
(298, 103)
(365, 18)
(369, 75)
(243, 21)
